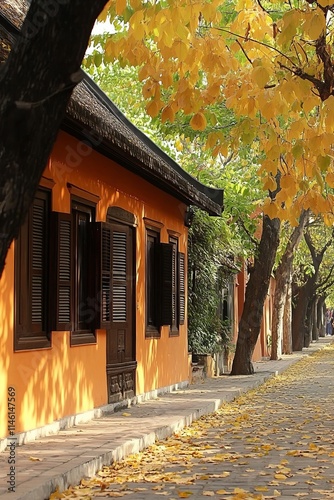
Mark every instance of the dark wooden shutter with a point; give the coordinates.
(22, 287)
(166, 283)
(182, 288)
(63, 319)
(174, 288)
(105, 275)
(32, 312)
(119, 274)
(39, 263)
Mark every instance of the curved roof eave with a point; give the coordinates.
(91, 112)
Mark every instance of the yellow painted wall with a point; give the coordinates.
(63, 380)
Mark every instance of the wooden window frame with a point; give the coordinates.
(79, 335)
(26, 335)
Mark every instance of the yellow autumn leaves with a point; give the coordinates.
(268, 71)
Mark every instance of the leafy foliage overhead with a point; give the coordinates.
(270, 62)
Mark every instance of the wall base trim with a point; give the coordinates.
(79, 418)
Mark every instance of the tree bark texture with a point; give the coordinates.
(36, 82)
(256, 292)
(315, 333)
(321, 317)
(301, 313)
(309, 321)
(282, 276)
(287, 320)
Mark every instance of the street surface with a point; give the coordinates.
(276, 441)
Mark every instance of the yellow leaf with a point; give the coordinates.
(137, 26)
(260, 76)
(126, 414)
(153, 109)
(279, 476)
(184, 494)
(284, 470)
(261, 488)
(120, 6)
(180, 50)
(323, 162)
(35, 459)
(198, 121)
(298, 150)
(149, 89)
(221, 492)
(225, 474)
(315, 26)
(208, 493)
(288, 182)
(179, 145)
(270, 184)
(104, 13)
(238, 491)
(309, 103)
(167, 114)
(56, 495)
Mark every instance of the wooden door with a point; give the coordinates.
(121, 363)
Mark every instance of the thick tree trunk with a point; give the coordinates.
(282, 276)
(287, 321)
(315, 333)
(278, 311)
(321, 317)
(35, 85)
(300, 315)
(309, 322)
(256, 291)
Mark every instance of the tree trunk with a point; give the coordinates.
(301, 332)
(36, 82)
(256, 292)
(309, 322)
(278, 311)
(287, 321)
(320, 317)
(299, 315)
(282, 276)
(315, 333)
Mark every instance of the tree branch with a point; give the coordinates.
(252, 239)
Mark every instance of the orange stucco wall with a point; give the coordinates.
(63, 380)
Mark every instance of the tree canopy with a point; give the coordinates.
(268, 61)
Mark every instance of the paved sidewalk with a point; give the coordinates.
(63, 459)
